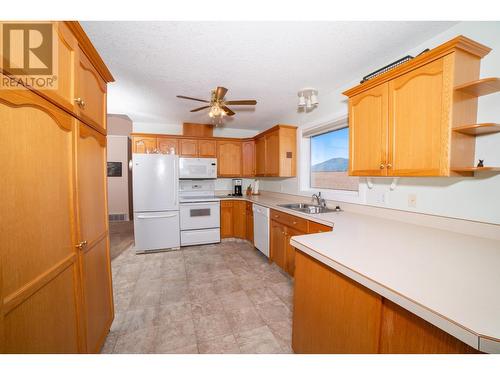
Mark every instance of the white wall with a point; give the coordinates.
(118, 186)
(468, 198)
(160, 128)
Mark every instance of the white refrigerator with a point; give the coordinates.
(156, 205)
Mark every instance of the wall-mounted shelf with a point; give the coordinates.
(478, 129)
(469, 171)
(480, 87)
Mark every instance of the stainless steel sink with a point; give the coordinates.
(306, 208)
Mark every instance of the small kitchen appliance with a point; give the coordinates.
(237, 187)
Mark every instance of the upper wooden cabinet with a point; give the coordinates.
(144, 145)
(188, 148)
(165, 145)
(248, 155)
(276, 152)
(207, 148)
(401, 122)
(229, 158)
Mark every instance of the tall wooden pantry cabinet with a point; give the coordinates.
(55, 274)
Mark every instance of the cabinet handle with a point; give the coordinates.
(81, 245)
(80, 102)
(389, 166)
(382, 166)
(294, 222)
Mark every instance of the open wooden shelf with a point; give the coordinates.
(478, 129)
(480, 87)
(469, 171)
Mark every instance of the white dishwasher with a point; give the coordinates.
(261, 228)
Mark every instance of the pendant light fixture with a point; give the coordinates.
(308, 99)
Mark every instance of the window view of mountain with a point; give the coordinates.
(331, 165)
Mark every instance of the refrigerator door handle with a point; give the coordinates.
(155, 216)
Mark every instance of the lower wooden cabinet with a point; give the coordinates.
(334, 314)
(277, 243)
(239, 219)
(249, 222)
(226, 219)
(233, 219)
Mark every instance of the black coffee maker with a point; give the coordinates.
(237, 187)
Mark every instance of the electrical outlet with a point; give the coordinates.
(412, 200)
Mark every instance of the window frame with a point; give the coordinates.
(306, 133)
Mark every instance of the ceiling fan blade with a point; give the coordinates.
(227, 110)
(220, 92)
(199, 109)
(241, 102)
(189, 98)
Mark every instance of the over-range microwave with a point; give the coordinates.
(190, 168)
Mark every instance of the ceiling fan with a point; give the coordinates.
(218, 106)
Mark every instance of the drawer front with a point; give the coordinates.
(318, 228)
(290, 220)
(201, 236)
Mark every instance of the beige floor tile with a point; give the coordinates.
(173, 312)
(204, 307)
(139, 341)
(174, 293)
(209, 326)
(282, 331)
(109, 344)
(173, 336)
(261, 295)
(258, 341)
(202, 291)
(138, 319)
(219, 345)
(235, 301)
(244, 319)
(226, 286)
(273, 311)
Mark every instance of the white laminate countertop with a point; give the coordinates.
(450, 279)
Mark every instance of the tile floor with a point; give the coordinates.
(121, 237)
(223, 298)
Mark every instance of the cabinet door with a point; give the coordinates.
(272, 154)
(349, 323)
(226, 219)
(188, 148)
(143, 145)
(67, 53)
(93, 233)
(260, 156)
(248, 150)
(249, 223)
(39, 296)
(277, 242)
(239, 219)
(207, 148)
(419, 120)
(290, 250)
(318, 228)
(229, 158)
(90, 93)
(165, 144)
(368, 127)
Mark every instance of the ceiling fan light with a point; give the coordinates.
(314, 98)
(308, 103)
(302, 101)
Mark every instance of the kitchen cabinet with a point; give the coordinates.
(226, 219)
(164, 145)
(277, 244)
(93, 243)
(207, 148)
(239, 219)
(90, 93)
(248, 156)
(402, 122)
(56, 288)
(144, 144)
(314, 227)
(342, 316)
(260, 156)
(249, 222)
(229, 159)
(290, 250)
(276, 150)
(188, 148)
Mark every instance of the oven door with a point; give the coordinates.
(200, 215)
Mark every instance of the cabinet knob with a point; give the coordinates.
(81, 245)
(389, 166)
(382, 166)
(80, 102)
(294, 222)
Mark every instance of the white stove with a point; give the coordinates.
(199, 212)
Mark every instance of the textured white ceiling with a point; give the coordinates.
(153, 62)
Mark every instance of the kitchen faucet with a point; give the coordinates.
(319, 199)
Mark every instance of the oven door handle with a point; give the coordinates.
(188, 204)
(155, 216)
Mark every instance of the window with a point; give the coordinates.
(329, 161)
